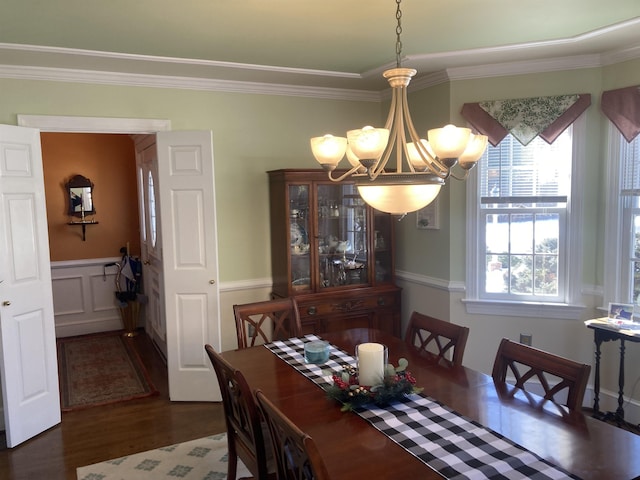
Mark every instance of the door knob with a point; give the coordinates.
(6, 303)
(212, 282)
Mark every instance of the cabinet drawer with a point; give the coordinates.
(353, 304)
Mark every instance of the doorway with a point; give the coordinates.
(189, 242)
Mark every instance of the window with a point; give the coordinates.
(520, 220)
(622, 261)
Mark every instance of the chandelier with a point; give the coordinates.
(414, 182)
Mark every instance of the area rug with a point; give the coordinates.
(100, 369)
(202, 459)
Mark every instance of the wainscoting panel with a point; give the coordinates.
(84, 296)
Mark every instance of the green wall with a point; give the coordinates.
(252, 134)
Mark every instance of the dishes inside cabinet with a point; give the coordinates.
(298, 235)
(300, 249)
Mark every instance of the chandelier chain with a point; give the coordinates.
(398, 32)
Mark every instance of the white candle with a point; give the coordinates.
(370, 364)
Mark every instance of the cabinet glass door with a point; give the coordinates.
(299, 237)
(382, 246)
(342, 236)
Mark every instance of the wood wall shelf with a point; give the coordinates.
(84, 224)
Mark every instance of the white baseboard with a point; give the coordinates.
(89, 326)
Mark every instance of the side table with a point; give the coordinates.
(604, 331)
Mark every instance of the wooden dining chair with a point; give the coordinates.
(436, 338)
(296, 454)
(266, 321)
(247, 435)
(554, 373)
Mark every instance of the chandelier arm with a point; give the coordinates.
(344, 175)
(392, 126)
(433, 164)
(378, 168)
(400, 138)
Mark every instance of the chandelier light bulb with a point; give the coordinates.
(368, 143)
(449, 141)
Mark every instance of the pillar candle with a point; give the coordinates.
(370, 363)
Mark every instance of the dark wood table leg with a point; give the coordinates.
(620, 409)
(596, 382)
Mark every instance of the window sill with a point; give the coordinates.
(523, 309)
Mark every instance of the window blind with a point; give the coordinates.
(514, 174)
(630, 168)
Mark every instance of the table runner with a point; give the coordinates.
(451, 444)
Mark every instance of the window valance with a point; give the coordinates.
(622, 107)
(526, 118)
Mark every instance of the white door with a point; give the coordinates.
(150, 241)
(28, 360)
(189, 257)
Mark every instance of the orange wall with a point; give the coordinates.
(109, 162)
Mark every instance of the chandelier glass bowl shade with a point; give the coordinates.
(421, 166)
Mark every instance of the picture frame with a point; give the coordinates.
(620, 311)
(428, 218)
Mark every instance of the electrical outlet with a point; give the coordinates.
(526, 339)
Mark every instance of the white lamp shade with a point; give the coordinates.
(368, 143)
(475, 149)
(398, 199)
(449, 141)
(328, 150)
(415, 159)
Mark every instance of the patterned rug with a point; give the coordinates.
(201, 459)
(100, 369)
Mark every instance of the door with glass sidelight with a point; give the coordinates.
(151, 241)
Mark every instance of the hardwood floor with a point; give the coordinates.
(102, 433)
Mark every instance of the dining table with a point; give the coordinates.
(571, 443)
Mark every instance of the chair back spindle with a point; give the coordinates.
(266, 321)
(296, 454)
(436, 338)
(245, 433)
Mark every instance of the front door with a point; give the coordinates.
(189, 257)
(28, 360)
(150, 241)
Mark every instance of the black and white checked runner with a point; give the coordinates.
(456, 447)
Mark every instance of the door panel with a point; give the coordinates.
(151, 242)
(28, 360)
(189, 256)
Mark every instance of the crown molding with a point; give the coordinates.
(184, 83)
(204, 83)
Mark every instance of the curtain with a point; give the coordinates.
(526, 118)
(622, 107)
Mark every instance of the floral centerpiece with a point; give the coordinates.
(397, 383)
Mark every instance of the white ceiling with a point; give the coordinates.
(330, 43)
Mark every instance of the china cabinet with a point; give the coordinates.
(333, 252)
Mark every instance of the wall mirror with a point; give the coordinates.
(80, 191)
